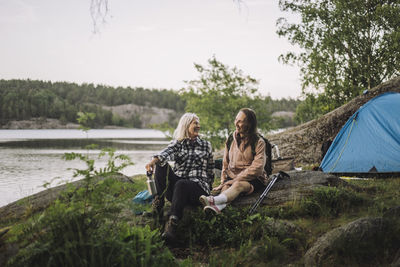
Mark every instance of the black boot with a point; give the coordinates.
(169, 234)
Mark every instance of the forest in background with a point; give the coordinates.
(27, 99)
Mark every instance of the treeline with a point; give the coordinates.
(283, 104)
(26, 99)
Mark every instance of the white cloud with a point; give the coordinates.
(258, 3)
(194, 29)
(17, 11)
(144, 28)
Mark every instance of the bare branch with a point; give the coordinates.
(99, 11)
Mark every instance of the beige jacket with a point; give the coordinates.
(240, 164)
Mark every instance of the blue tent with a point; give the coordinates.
(369, 141)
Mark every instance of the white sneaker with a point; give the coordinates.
(206, 200)
(209, 204)
(214, 208)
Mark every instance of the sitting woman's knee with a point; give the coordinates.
(225, 187)
(181, 185)
(241, 185)
(161, 170)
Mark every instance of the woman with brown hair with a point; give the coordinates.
(242, 170)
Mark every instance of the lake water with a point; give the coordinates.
(30, 158)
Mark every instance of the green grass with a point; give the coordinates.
(100, 225)
(87, 229)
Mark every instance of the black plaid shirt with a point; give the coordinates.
(193, 160)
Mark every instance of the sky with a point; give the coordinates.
(144, 43)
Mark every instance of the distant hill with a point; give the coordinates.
(147, 115)
(41, 104)
(28, 103)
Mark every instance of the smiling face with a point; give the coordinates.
(241, 123)
(194, 128)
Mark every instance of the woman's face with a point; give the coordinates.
(241, 124)
(194, 128)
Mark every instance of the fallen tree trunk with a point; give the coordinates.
(304, 142)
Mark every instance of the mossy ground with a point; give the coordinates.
(275, 235)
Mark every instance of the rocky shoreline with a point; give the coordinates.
(39, 123)
(45, 123)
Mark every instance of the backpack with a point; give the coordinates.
(268, 151)
(140, 200)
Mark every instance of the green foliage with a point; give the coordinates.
(347, 46)
(270, 252)
(230, 239)
(232, 228)
(66, 236)
(282, 104)
(312, 107)
(26, 99)
(85, 120)
(325, 202)
(332, 201)
(272, 249)
(165, 128)
(238, 239)
(218, 94)
(84, 227)
(214, 230)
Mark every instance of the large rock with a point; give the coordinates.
(299, 185)
(363, 239)
(361, 231)
(147, 115)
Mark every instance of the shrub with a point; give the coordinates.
(73, 240)
(234, 228)
(267, 252)
(83, 227)
(207, 229)
(330, 202)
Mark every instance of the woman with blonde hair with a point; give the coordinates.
(191, 176)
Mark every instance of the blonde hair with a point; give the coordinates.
(181, 132)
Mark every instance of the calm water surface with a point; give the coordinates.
(30, 158)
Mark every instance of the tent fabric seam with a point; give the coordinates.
(345, 144)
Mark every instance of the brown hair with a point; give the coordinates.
(251, 121)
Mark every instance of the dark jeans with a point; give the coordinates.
(180, 192)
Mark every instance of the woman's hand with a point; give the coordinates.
(218, 187)
(229, 182)
(224, 183)
(152, 164)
